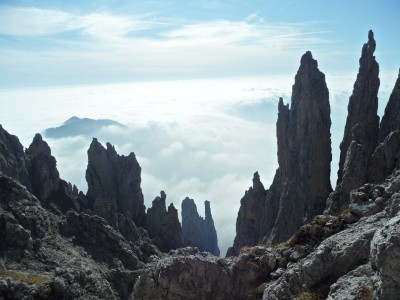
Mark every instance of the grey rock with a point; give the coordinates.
(386, 157)
(302, 181)
(361, 130)
(249, 217)
(385, 259)
(44, 174)
(355, 285)
(163, 225)
(112, 177)
(197, 231)
(13, 162)
(391, 118)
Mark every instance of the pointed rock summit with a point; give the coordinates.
(302, 181)
(196, 231)
(163, 225)
(361, 130)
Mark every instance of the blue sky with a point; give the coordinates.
(78, 42)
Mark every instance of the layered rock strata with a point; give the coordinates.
(361, 130)
(196, 231)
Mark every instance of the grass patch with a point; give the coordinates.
(307, 296)
(37, 279)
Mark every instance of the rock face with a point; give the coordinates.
(391, 119)
(302, 182)
(114, 182)
(196, 231)
(361, 130)
(163, 225)
(13, 161)
(249, 216)
(44, 174)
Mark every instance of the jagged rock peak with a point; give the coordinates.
(307, 60)
(361, 130)
(115, 178)
(197, 231)
(44, 174)
(38, 146)
(163, 225)
(391, 118)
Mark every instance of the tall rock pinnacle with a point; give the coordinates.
(302, 181)
(361, 130)
(115, 180)
(196, 231)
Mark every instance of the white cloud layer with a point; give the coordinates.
(203, 139)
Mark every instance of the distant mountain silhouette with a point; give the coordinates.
(75, 126)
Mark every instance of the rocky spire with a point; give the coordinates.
(112, 177)
(304, 151)
(302, 181)
(249, 217)
(196, 231)
(361, 130)
(163, 225)
(391, 119)
(44, 174)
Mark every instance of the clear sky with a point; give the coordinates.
(78, 42)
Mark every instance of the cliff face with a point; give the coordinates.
(163, 225)
(302, 182)
(114, 182)
(196, 231)
(391, 119)
(361, 130)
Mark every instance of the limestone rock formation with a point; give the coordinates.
(361, 130)
(196, 231)
(391, 119)
(114, 181)
(44, 174)
(163, 225)
(249, 217)
(13, 161)
(302, 181)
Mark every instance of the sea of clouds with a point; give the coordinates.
(198, 138)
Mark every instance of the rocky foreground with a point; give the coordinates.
(296, 240)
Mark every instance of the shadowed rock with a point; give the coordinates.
(163, 225)
(196, 231)
(302, 181)
(115, 179)
(361, 130)
(391, 119)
